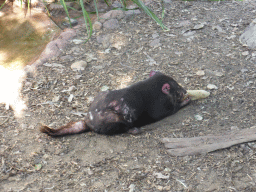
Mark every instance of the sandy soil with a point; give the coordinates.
(203, 36)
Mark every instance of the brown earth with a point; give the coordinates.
(32, 161)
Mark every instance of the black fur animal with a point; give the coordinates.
(124, 110)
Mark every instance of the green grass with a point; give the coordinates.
(150, 14)
(140, 4)
(3, 4)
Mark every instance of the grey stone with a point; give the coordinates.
(116, 4)
(133, 12)
(111, 24)
(67, 34)
(113, 14)
(73, 22)
(105, 40)
(97, 25)
(78, 41)
(244, 70)
(75, 49)
(99, 39)
(54, 6)
(219, 29)
(101, 6)
(79, 65)
(132, 188)
(199, 26)
(184, 23)
(245, 53)
(211, 86)
(132, 6)
(252, 145)
(155, 43)
(155, 35)
(189, 33)
(249, 36)
(67, 58)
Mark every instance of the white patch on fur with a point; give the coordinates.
(78, 124)
(126, 109)
(91, 117)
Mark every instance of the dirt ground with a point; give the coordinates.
(203, 36)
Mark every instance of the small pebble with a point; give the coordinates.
(200, 73)
(70, 98)
(245, 53)
(104, 88)
(155, 35)
(56, 98)
(244, 70)
(97, 25)
(73, 22)
(132, 188)
(211, 86)
(90, 99)
(219, 29)
(79, 65)
(78, 41)
(252, 145)
(155, 43)
(198, 117)
(199, 26)
(178, 53)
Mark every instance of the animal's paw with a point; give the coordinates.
(134, 131)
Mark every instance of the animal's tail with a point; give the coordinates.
(70, 128)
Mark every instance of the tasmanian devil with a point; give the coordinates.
(127, 109)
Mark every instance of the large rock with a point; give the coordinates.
(249, 36)
(113, 14)
(111, 24)
(55, 48)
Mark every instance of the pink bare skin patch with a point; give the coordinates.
(152, 73)
(165, 89)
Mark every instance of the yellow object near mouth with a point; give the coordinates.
(197, 94)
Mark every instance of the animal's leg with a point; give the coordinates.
(70, 128)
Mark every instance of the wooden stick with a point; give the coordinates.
(205, 144)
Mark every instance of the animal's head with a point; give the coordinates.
(176, 93)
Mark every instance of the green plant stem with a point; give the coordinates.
(86, 16)
(3, 4)
(62, 2)
(151, 14)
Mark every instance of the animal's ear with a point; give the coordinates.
(165, 89)
(152, 73)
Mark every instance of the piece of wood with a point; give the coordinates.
(206, 144)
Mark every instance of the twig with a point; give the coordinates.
(5, 121)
